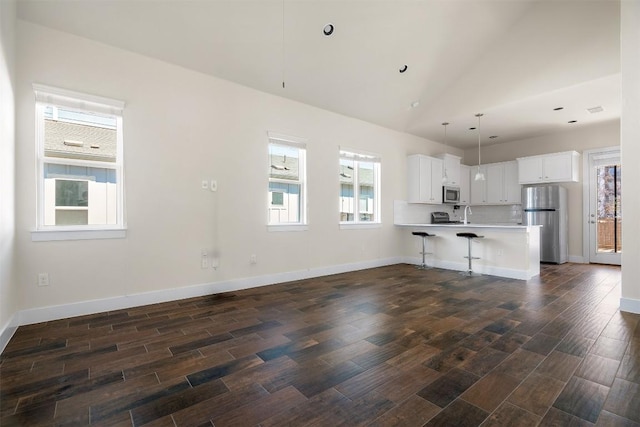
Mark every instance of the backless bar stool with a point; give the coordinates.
(469, 237)
(424, 236)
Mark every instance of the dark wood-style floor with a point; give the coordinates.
(380, 347)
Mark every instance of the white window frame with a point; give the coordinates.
(301, 144)
(45, 96)
(359, 156)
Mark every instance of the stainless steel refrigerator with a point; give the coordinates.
(546, 205)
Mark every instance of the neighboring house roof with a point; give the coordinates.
(284, 167)
(97, 143)
(365, 176)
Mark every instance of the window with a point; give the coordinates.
(287, 180)
(79, 155)
(359, 188)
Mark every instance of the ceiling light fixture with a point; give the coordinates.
(479, 175)
(403, 68)
(327, 30)
(445, 178)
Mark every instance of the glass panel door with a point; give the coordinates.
(605, 216)
(608, 201)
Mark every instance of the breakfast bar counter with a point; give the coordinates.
(507, 250)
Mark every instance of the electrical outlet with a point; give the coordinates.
(213, 185)
(253, 259)
(43, 279)
(205, 184)
(204, 259)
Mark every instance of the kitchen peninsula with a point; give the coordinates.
(507, 250)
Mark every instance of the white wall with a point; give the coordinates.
(8, 288)
(181, 127)
(585, 138)
(630, 135)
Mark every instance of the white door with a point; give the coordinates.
(605, 207)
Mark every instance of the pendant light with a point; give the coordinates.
(445, 178)
(479, 175)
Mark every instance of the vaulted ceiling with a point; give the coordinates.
(513, 60)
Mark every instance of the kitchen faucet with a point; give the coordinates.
(466, 208)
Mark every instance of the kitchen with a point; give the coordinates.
(434, 180)
(204, 86)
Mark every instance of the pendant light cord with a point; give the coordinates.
(445, 177)
(283, 44)
(479, 157)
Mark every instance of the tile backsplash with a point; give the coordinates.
(418, 213)
(496, 214)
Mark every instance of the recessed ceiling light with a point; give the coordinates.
(472, 128)
(403, 68)
(572, 121)
(415, 104)
(558, 108)
(493, 136)
(597, 109)
(328, 29)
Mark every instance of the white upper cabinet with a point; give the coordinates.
(557, 167)
(424, 179)
(512, 188)
(500, 186)
(478, 188)
(465, 185)
(450, 166)
(495, 183)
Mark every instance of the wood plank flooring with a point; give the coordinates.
(380, 347)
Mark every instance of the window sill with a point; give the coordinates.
(288, 227)
(359, 225)
(53, 235)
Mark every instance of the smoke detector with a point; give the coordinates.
(594, 110)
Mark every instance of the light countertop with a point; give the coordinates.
(461, 225)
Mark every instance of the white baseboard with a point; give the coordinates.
(509, 273)
(44, 314)
(7, 332)
(630, 305)
(578, 259)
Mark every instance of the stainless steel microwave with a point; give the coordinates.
(450, 194)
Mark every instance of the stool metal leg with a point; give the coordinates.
(423, 266)
(469, 271)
